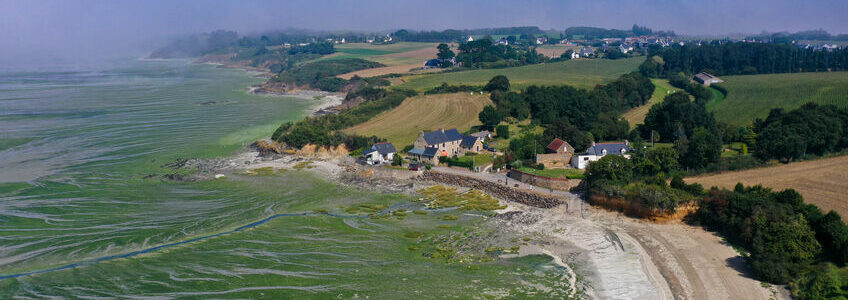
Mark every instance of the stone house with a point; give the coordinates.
(446, 142)
(706, 78)
(470, 144)
(558, 155)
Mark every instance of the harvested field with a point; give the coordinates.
(553, 51)
(636, 115)
(822, 182)
(398, 58)
(402, 124)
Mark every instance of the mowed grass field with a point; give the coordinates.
(402, 124)
(822, 182)
(753, 96)
(636, 115)
(582, 73)
(398, 57)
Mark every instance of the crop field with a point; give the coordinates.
(821, 182)
(402, 124)
(554, 50)
(753, 96)
(582, 73)
(636, 115)
(398, 58)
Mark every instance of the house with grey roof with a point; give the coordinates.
(470, 144)
(598, 150)
(379, 153)
(446, 141)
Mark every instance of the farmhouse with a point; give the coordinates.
(596, 151)
(558, 155)
(707, 78)
(445, 141)
(587, 52)
(379, 153)
(575, 54)
(503, 41)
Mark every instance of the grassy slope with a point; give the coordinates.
(752, 96)
(820, 181)
(583, 73)
(636, 115)
(402, 124)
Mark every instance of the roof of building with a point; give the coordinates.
(439, 136)
(432, 63)
(384, 148)
(429, 151)
(484, 133)
(611, 148)
(704, 76)
(468, 141)
(557, 143)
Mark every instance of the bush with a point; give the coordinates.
(503, 131)
(497, 83)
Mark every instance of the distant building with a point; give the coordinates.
(432, 63)
(707, 78)
(625, 48)
(587, 52)
(541, 40)
(596, 151)
(379, 153)
(558, 155)
(503, 41)
(469, 39)
(575, 54)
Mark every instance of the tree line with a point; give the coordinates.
(723, 58)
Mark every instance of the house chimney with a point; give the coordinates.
(593, 143)
(626, 142)
(442, 130)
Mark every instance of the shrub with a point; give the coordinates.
(503, 131)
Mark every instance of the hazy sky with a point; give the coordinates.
(71, 28)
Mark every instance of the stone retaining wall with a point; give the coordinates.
(494, 189)
(561, 184)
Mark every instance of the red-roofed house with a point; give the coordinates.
(558, 156)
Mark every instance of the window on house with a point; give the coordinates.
(585, 158)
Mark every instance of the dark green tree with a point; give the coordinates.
(497, 83)
(612, 168)
(503, 131)
(490, 117)
(703, 149)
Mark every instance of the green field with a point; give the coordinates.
(752, 96)
(582, 73)
(636, 115)
(366, 51)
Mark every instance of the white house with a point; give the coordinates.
(379, 153)
(596, 151)
(469, 39)
(575, 54)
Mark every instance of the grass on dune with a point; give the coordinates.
(636, 115)
(402, 124)
(582, 73)
(753, 96)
